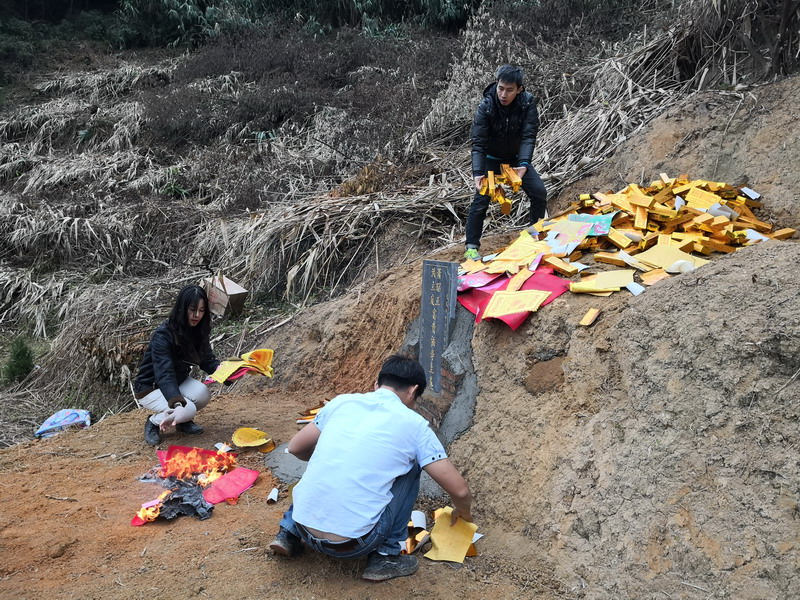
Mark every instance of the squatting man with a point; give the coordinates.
(365, 454)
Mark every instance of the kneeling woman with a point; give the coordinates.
(163, 384)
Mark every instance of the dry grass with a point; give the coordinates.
(88, 113)
(25, 301)
(304, 248)
(108, 86)
(97, 170)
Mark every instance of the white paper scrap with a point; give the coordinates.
(679, 202)
(273, 496)
(632, 261)
(418, 519)
(635, 288)
(476, 536)
(720, 210)
(222, 447)
(754, 236)
(753, 195)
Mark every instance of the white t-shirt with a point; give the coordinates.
(367, 441)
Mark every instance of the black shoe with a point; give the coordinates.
(381, 568)
(286, 543)
(152, 435)
(189, 427)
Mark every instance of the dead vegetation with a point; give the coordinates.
(209, 162)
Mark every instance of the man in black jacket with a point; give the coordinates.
(504, 132)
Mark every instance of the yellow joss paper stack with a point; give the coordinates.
(650, 232)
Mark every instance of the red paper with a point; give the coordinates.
(476, 299)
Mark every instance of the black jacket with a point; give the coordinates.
(505, 132)
(165, 364)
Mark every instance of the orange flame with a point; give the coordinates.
(184, 465)
(151, 513)
(206, 479)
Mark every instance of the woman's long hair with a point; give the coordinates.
(186, 336)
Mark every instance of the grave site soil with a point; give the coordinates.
(652, 455)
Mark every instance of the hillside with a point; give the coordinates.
(319, 162)
(653, 455)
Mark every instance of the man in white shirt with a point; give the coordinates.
(366, 453)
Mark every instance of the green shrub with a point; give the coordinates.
(273, 76)
(17, 47)
(20, 361)
(86, 25)
(187, 22)
(182, 22)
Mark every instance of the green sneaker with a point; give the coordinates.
(472, 254)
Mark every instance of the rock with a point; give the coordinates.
(57, 550)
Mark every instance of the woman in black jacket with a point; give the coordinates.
(163, 384)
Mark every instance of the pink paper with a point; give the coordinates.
(475, 280)
(230, 485)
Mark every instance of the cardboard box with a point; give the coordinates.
(225, 297)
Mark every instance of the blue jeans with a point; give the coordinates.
(389, 531)
(533, 186)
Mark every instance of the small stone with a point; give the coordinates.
(58, 550)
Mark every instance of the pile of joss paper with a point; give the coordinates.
(652, 233)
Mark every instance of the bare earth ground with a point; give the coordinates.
(653, 455)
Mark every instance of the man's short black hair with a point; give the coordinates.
(401, 372)
(510, 74)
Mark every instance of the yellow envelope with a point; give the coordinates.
(654, 276)
(225, 369)
(590, 287)
(501, 266)
(523, 250)
(666, 256)
(518, 279)
(473, 266)
(616, 278)
(260, 359)
(450, 543)
(509, 303)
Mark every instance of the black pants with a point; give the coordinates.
(533, 186)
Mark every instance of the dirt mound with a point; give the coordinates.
(664, 460)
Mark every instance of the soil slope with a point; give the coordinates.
(653, 455)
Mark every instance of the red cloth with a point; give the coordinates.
(230, 485)
(475, 300)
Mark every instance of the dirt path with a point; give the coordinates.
(65, 525)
